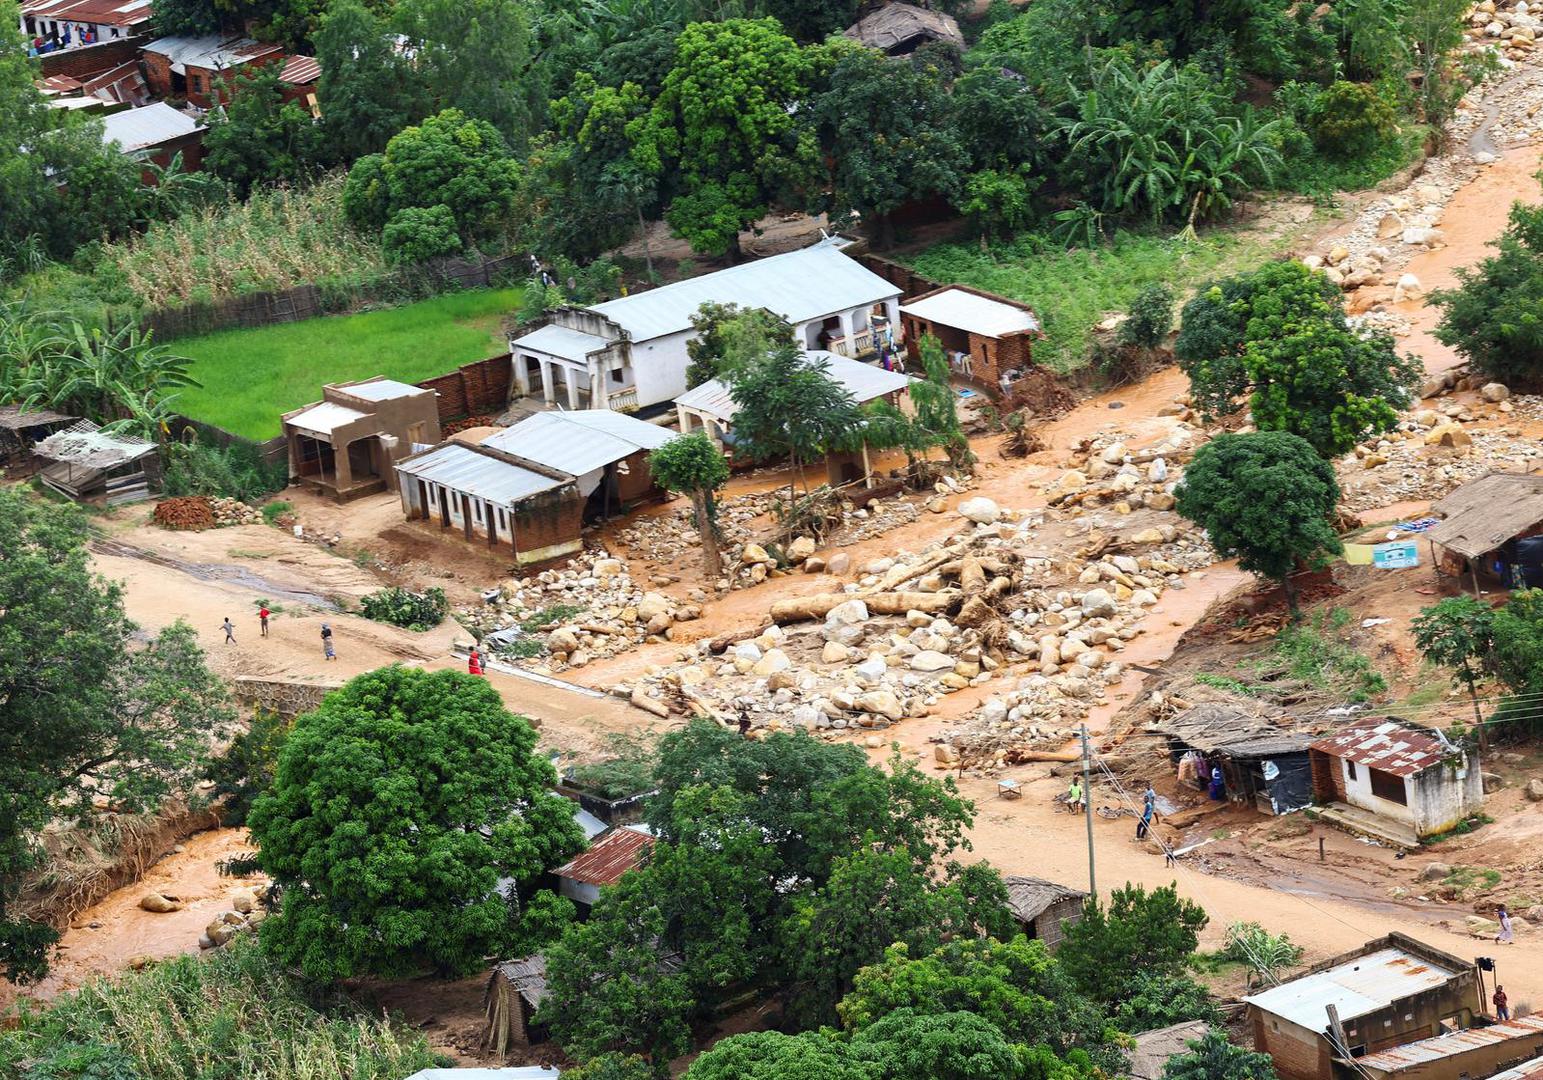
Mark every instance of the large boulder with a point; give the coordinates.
(851, 612)
(981, 510)
(800, 549)
(881, 703)
(1494, 392)
(1535, 790)
(931, 660)
(774, 661)
(754, 553)
(653, 604)
(159, 903)
(839, 563)
(1097, 604)
(1435, 871)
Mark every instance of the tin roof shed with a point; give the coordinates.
(610, 857)
(1483, 514)
(1388, 746)
(1358, 985)
(1457, 1042)
(486, 476)
(579, 442)
(139, 129)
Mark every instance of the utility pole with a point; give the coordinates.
(1087, 812)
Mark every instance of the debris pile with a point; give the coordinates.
(189, 513)
(559, 619)
(234, 512)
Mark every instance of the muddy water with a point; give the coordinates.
(109, 935)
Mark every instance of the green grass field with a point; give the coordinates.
(251, 377)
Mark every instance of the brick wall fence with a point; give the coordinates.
(91, 59)
(281, 697)
(908, 281)
(473, 389)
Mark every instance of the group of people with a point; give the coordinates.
(263, 614)
(1076, 801)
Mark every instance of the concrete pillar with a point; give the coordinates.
(892, 310)
(571, 377)
(597, 394)
(548, 393)
(342, 469)
(521, 374)
(846, 331)
(683, 418)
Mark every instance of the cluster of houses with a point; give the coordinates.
(98, 57)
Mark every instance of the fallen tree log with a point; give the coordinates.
(817, 606)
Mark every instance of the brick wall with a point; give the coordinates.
(908, 281)
(1328, 778)
(91, 60)
(158, 74)
(548, 520)
(1298, 1054)
(473, 389)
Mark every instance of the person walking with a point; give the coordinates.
(1505, 936)
(326, 642)
(1218, 784)
(1502, 1004)
(1148, 812)
(1074, 796)
(473, 663)
(262, 618)
(230, 631)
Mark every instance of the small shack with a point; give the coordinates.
(710, 407)
(1395, 780)
(199, 68)
(346, 444)
(605, 452)
(1153, 1049)
(1391, 991)
(1457, 1055)
(21, 430)
(1262, 764)
(514, 992)
(1491, 531)
(603, 864)
(1043, 908)
(988, 338)
(899, 29)
(156, 133)
(89, 465)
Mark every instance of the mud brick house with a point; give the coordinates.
(530, 488)
(195, 68)
(1043, 908)
(630, 353)
(73, 24)
(1390, 992)
(346, 444)
(1471, 1054)
(1395, 781)
(1263, 765)
(988, 338)
(156, 133)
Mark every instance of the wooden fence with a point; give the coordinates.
(309, 301)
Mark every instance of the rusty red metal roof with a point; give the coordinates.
(609, 858)
(1428, 1050)
(1387, 746)
(300, 71)
(98, 12)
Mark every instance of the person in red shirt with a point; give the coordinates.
(474, 663)
(262, 617)
(1502, 1004)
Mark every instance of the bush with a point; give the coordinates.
(1350, 119)
(237, 471)
(627, 770)
(275, 510)
(416, 234)
(1268, 955)
(401, 607)
(1151, 317)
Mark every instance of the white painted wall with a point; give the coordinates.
(1358, 792)
(660, 367)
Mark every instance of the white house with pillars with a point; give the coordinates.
(630, 353)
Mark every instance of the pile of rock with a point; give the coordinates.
(671, 536)
(246, 911)
(598, 611)
(1513, 31)
(1108, 473)
(1430, 453)
(234, 512)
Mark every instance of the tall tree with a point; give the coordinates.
(726, 116)
(1459, 633)
(85, 714)
(398, 807)
(1137, 935)
(692, 465)
(1266, 499)
(889, 135)
(258, 137)
(1435, 30)
(789, 406)
(369, 90)
(1277, 338)
(728, 337)
(771, 1055)
(1491, 318)
(933, 398)
(475, 56)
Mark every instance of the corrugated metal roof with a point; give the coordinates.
(1387, 746)
(16, 418)
(1458, 1042)
(135, 129)
(58, 84)
(611, 857)
(86, 445)
(1357, 987)
(799, 286)
(1531, 1070)
(975, 314)
(99, 12)
(212, 51)
(1483, 514)
(462, 468)
(380, 390)
(591, 825)
(325, 417)
(865, 382)
(578, 442)
(561, 341)
(300, 71)
(1028, 897)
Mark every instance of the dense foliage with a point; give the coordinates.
(1277, 340)
(1214, 1058)
(1266, 499)
(88, 718)
(231, 1012)
(245, 770)
(397, 808)
(1494, 317)
(693, 465)
(789, 407)
(403, 607)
